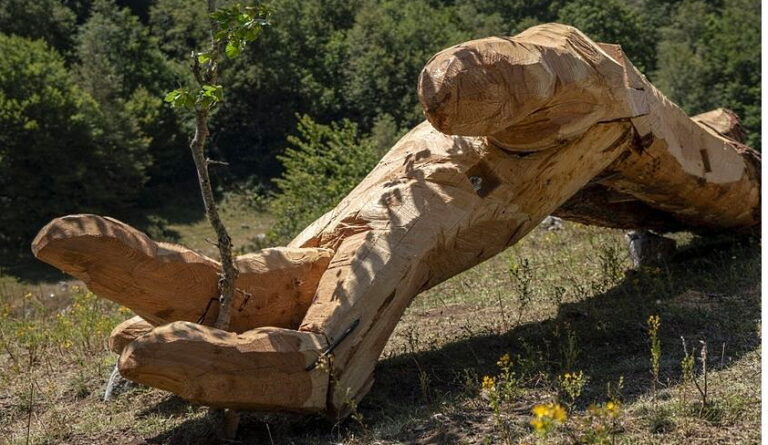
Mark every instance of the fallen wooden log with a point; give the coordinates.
(126, 332)
(550, 83)
(164, 282)
(518, 128)
(262, 369)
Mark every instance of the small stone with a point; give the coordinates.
(117, 384)
(648, 249)
(440, 417)
(552, 223)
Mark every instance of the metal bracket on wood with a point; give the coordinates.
(333, 345)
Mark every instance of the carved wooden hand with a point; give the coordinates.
(518, 128)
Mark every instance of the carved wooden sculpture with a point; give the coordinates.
(518, 128)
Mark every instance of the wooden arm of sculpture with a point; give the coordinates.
(517, 129)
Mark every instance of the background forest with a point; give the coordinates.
(326, 89)
(308, 109)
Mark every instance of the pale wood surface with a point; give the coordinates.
(723, 121)
(601, 205)
(417, 219)
(551, 83)
(262, 369)
(164, 282)
(518, 128)
(126, 332)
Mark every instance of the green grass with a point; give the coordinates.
(183, 222)
(559, 301)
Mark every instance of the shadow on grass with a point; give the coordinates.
(709, 292)
(168, 407)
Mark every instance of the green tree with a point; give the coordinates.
(121, 66)
(613, 21)
(507, 17)
(140, 8)
(55, 156)
(231, 29)
(179, 25)
(49, 20)
(683, 71)
(387, 48)
(710, 57)
(302, 75)
(734, 57)
(322, 165)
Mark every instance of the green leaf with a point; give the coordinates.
(172, 96)
(203, 57)
(231, 50)
(252, 33)
(180, 98)
(209, 95)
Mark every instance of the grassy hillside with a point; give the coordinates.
(560, 302)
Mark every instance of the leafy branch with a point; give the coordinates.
(232, 28)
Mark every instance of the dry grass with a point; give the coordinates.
(559, 301)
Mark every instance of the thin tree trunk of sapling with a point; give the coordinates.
(223, 240)
(231, 29)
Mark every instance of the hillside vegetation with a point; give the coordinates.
(85, 129)
(555, 341)
(561, 302)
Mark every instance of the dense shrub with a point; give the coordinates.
(49, 20)
(121, 66)
(322, 165)
(55, 157)
(710, 57)
(613, 21)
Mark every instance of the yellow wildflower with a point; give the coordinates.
(540, 410)
(654, 322)
(504, 361)
(613, 409)
(489, 383)
(546, 416)
(552, 411)
(558, 413)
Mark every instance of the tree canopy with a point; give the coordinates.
(85, 127)
(57, 155)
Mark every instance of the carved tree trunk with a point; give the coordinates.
(518, 128)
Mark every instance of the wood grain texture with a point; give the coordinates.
(599, 205)
(435, 206)
(164, 282)
(551, 83)
(707, 181)
(126, 332)
(723, 121)
(261, 369)
(518, 128)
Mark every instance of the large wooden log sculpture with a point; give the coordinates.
(517, 128)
